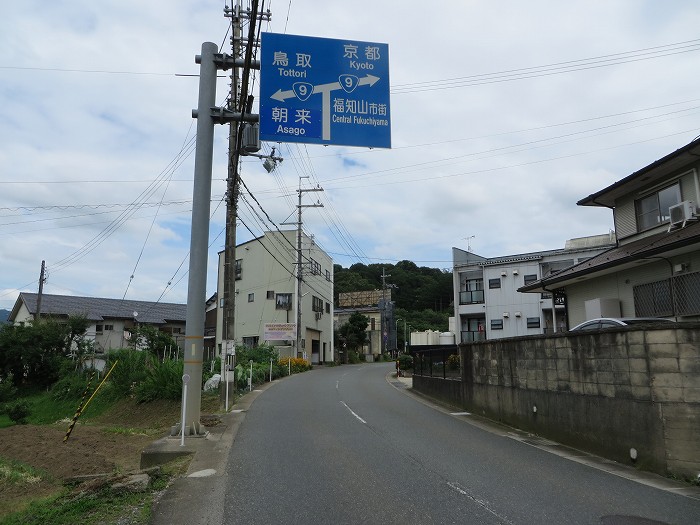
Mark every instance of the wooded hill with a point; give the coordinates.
(422, 295)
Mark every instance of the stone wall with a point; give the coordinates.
(607, 392)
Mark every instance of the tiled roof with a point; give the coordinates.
(98, 309)
(647, 247)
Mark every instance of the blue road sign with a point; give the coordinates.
(324, 91)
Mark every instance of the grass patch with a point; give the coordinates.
(44, 409)
(16, 473)
(100, 507)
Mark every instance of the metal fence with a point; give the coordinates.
(677, 295)
(437, 361)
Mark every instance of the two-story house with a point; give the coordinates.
(487, 302)
(266, 295)
(111, 320)
(654, 270)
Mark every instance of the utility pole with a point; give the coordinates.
(42, 279)
(199, 237)
(300, 272)
(232, 189)
(383, 312)
(239, 104)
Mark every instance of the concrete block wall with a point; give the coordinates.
(607, 392)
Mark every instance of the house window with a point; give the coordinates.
(98, 328)
(533, 322)
(315, 267)
(238, 269)
(251, 297)
(317, 304)
(653, 209)
(529, 278)
(473, 292)
(496, 324)
(251, 342)
(328, 308)
(270, 294)
(283, 301)
(494, 283)
(109, 327)
(328, 275)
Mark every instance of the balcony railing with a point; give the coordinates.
(471, 297)
(471, 337)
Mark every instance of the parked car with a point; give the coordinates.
(613, 322)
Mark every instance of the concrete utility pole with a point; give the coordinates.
(207, 115)
(239, 111)
(384, 320)
(199, 238)
(232, 189)
(42, 279)
(300, 272)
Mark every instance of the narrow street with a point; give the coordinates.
(345, 445)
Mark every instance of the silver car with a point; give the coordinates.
(614, 322)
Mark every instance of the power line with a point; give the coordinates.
(550, 69)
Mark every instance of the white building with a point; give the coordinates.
(654, 269)
(266, 293)
(488, 304)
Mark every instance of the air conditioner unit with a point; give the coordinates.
(682, 213)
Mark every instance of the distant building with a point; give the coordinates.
(266, 295)
(488, 304)
(111, 320)
(376, 305)
(654, 269)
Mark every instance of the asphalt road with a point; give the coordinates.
(343, 445)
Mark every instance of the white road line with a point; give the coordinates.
(481, 503)
(460, 413)
(353, 413)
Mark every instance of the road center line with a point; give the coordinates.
(353, 413)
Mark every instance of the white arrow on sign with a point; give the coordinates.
(369, 80)
(347, 83)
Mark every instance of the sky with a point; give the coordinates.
(503, 115)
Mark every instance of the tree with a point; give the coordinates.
(155, 341)
(33, 353)
(354, 332)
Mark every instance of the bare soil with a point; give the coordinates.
(106, 444)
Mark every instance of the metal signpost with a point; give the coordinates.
(324, 91)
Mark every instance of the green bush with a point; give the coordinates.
(72, 385)
(129, 372)
(353, 357)
(405, 361)
(162, 381)
(453, 362)
(18, 411)
(8, 391)
(259, 354)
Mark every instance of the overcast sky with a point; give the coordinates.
(504, 114)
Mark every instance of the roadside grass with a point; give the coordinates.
(44, 409)
(101, 507)
(16, 473)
